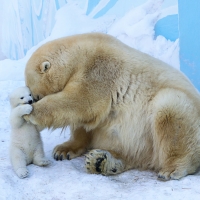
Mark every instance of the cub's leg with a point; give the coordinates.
(104, 162)
(18, 160)
(76, 146)
(176, 134)
(39, 157)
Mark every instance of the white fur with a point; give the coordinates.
(116, 99)
(26, 145)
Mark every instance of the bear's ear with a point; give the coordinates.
(45, 66)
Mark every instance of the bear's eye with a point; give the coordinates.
(29, 94)
(21, 97)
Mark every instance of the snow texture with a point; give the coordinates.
(68, 179)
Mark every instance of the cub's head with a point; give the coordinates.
(20, 96)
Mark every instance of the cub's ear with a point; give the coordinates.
(45, 66)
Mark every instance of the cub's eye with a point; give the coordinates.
(29, 94)
(21, 97)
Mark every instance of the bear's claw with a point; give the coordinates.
(102, 162)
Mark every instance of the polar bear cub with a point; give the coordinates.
(26, 145)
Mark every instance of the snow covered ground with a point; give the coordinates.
(68, 179)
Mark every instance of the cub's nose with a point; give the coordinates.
(30, 102)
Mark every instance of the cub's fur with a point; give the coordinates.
(130, 109)
(26, 145)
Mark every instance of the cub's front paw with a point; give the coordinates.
(27, 109)
(22, 172)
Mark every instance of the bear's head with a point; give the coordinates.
(48, 70)
(59, 62)
(20, 96)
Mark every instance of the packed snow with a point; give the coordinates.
(69, 179)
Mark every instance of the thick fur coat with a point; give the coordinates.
(130, 109)
(26, 145)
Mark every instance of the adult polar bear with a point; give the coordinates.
(129, 109)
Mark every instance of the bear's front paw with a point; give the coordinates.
(22, 172)
(26, 117)
(65, 151)
(31, 119)
(27, 109)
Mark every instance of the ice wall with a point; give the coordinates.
(25, 23)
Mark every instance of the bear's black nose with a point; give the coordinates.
(30, 102)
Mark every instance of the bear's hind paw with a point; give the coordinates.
(165, 175)
(102, 162)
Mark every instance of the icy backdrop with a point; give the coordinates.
(23, 24)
